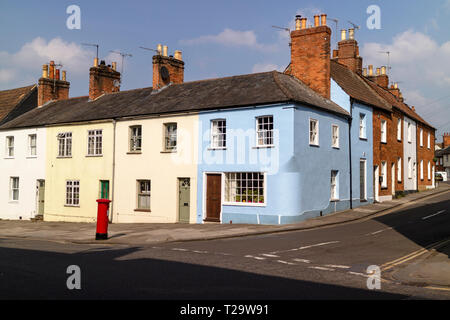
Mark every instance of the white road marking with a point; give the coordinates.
(358, 274)
(433, 215)
(285, 262)
(178, 249)
(270, 255)
(197, 251)
(337, 266)
(302, 260)
(306, 247)
(253, 257)
(321, 268)
(379, 231)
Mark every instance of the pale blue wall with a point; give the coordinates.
(298, 176)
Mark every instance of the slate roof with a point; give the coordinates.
(237, 91)
(356, 87)
(9, 99)
(389, 97)
(440, 153)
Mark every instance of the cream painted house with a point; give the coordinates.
(79, 170)
(156, 170)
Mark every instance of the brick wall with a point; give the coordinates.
(52, 89)
(174, 67)
(426, 155)
(103, 79)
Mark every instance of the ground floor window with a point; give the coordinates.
(143, 194)
(14, 189)
(73, 193)
(245, 187)
(334, 185)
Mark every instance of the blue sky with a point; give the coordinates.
(223, 38)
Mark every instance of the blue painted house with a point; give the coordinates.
(281, 158)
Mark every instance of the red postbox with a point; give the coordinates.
(102, 219)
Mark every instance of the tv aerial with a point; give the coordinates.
(285, 29)
(389, 60)
(149, 49)
(92, 45)
(336, 21)
(123, 55)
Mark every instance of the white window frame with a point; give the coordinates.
(146, 192)
(135, 140)
(72, 189)
(218, 134)
(170, 136)
(384, 184)
(362, 126)
(231, 186)
(32, 147)
(335, 136)
(262, 134)
(409, 132)
(13, 187)
(95, 143)
(421, 137)
(383, 131)
(429, 170)
(399, 169)
(9, 147)
(316, 140)
(409, 168)
(66, 139)
(399, 129)
(334, 185)
(421, 169)
(429, 141)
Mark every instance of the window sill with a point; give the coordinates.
(169, 151)
(9, 158)
(64, 157)
(13, 201)
(71, 206)
(361, 138)
(335, 200)
(383, 142)
(134, 152)
(336, 148)
(31, 157)
(244, 204)
(264, 147)
(314, 145)
(94, 155)
(142, 210)
(218, 148)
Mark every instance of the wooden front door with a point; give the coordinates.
(184, 199)
(41, 196)
(362, 180)
(213, 197)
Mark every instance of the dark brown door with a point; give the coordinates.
(213, 197)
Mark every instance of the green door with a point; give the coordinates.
(104, 189)
(184, 202)
(41, 196)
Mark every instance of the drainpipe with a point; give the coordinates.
(113, 170)
(350, 151)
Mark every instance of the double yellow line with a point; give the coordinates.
(413, 255)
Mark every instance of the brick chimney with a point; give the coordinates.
(348, 52)
(310, 54)
(103, 79)
(51, 87)
(395, 90)
(167, 69)
(446, 140)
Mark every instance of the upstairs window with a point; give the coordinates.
(383, 131)
(135, 138)
(335, 136)
(10, 146)
(399, 130)
(218, 134)
(32, 140)
(429, 142)
(95, 141)
(264, 131)
(421, 137)
(170, 136)
(65, 144)
(362, 126)
(313, 132)
(409, 133)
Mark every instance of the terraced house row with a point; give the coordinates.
(265, 148)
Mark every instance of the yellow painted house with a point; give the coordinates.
(79, 170)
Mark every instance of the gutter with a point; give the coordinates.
(350, 151)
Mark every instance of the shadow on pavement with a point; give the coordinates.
(30, 274)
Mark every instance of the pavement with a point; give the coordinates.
(145, 234)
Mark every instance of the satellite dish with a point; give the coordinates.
(116, 83)
(164, 74)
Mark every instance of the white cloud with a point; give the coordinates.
(25, 64)
(230, 37)
(264, 67)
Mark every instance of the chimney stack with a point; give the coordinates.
(102, 79)
(298, 22)
(348, 52)
(310, 55)
(446, 140)
(50, 87)
(167, 69)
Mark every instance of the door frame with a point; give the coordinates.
(204, 193)
(376, 178)
(178, 199)
(393, 182)
(365, 179)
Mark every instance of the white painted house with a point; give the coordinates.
(22, 174)
(410, 154)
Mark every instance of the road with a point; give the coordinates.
(325, 263)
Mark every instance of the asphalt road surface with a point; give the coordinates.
(325, 263)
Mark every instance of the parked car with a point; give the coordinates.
(441, 176)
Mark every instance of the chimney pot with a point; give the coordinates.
(370, 70)
(304, 20)
(57, 74)
(298, 22)
(343, 35)
(383, 70)
(316, 21)
(165, 51)
(95, 62)
(395, 85)
(365, 72)
(351, 34)
(324, 19)
(64, 75)
(378, 71)
(159, 49)
(45, 71)
(114, 66)
(178, 55)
